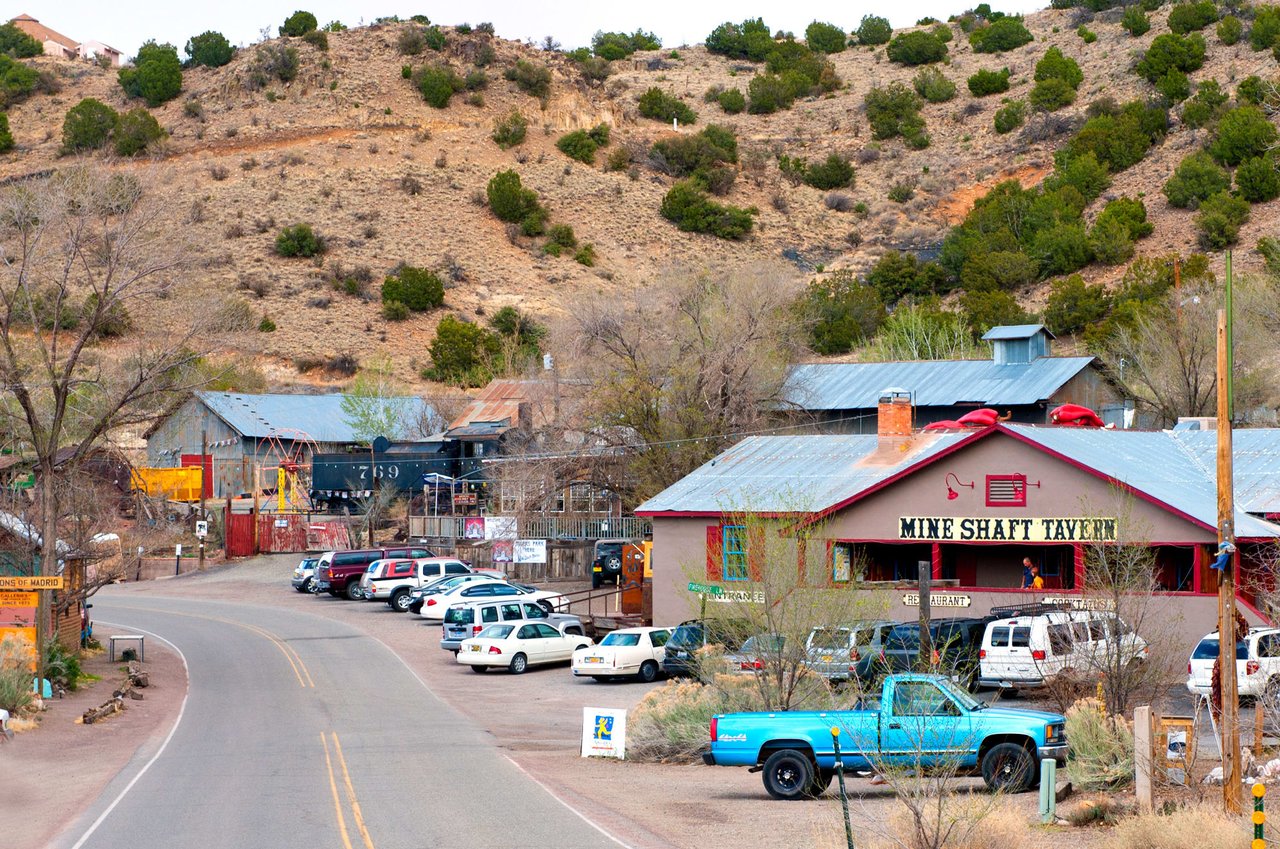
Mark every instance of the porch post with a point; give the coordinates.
(1197, 563)
(1078, 558)
(935, 558)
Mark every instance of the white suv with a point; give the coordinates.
(1023, 651)
(392, 580)
(1257, 663)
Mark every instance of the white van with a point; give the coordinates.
(467, 619)
(1257, 664)
(1024, 650)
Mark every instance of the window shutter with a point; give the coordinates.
(755, 553)
(715, 557)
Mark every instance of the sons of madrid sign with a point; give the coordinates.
(1005, 529)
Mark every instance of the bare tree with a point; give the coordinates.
(86, 255)
(686, 367)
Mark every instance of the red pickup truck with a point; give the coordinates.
(338, 572)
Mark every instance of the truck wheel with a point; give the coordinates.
(353, 591)
(648, 672)
(400, 601)
(821, 781)
(518, 664)
(788, 775)
(1008, 768)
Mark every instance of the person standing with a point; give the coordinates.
(1026, 573)
(1037, 583)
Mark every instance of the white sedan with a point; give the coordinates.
(627, 651)
(434, 606)
(517, 647)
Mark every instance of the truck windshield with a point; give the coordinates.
(961, 695)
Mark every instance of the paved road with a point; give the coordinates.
(302, 731)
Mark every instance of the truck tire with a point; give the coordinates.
(1008, 768)
(400, 601)
(353, 591)
(788, 775)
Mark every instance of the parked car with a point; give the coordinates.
(418, 597)
(924, 720)
(466, 620)
(846, 653)
(304, 575)
(626, 652)
(1024, 651)
(756, 652)
(956, 643)
(606, 561)
(394, 581)
(381, 568)
(434, 606)
(517, 647)
(1257, 664)
(691, 636)
(338, 572)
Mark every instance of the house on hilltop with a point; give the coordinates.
(57, 44)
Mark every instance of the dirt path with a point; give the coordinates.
(275, 141)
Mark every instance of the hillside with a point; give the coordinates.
(341, 146)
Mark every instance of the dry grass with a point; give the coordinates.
(671, 723)
(971, 821)
(1201, 827)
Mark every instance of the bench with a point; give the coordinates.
(112, 640)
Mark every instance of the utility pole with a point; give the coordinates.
(925, 578)
(257, 472)
(204, 453)
(1229, 726)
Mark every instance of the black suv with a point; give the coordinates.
(690, 636)
(955, 641)
(607, 564)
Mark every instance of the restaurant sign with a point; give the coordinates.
(1005, 529)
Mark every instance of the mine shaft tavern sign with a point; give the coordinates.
(1006, 529)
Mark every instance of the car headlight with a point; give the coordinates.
(1055, 733)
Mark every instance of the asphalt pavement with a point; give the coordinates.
(299, 730)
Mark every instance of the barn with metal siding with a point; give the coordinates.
(241, 429)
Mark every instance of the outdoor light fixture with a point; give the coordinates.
(952, 495)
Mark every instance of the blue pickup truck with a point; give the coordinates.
(919, 722)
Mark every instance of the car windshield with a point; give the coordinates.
(961, 695)
(829, 638)
(496, 632)
(903, 636)
(309, 563)
(616, 639)
(686, 635)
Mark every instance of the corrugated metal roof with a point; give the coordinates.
(319, 416)
(790, 473)
(1015, 331)
(1256, 470)
(934, 383)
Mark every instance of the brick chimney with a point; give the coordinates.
(894, 416)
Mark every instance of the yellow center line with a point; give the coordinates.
(333, 788)
(351, 793)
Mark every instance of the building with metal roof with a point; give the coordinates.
(1021, 380)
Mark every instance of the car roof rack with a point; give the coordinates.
(1036, 608)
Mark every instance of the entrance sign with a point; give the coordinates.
(1006, 529)
(32, 582)
(604, 733)
(938, 600)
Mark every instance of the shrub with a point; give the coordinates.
(1101, 747)
(999, 270)
(834, 172)
(1087, 35)
(510, 131)
(579, 145)
(1010, 116)
(17, 81)
(434, 38)
(732, 101)
(1207, 105)
(895, 111)
(943, 32)
(751, 40)
(1135, 21)
(897, 275)
(1001, 35)
(417, 289)
(916, 48)
(1229, 30)
(769, 92)
(1051, 95)
(594, 68)
(688, 207)
(1243, 133)
(411, 41)
(843, 312)
(299, 240)
(462, 353)
(273, 61)
(586, 255)
(17, 44)
(437, 84)
(1251, 91)
(533, 79)
(88, 125)
(1219, 220)
(825, 38)
(1061, 249)
(1053, 65)
(1129, 212)
(930, 84)
(1110, 241)
(1073, 305)
(670, 722)
(1171, 52)
(1258, 180)
(1174, 87)
(560, 238)
(874, 30)
(394, 311)
(17, 657)
(156, 75)
(299, 24)
(697, 155)
(135, 131)
(6, 137)
(987, 309)
(804, 71)
(1189, 17)
(1181, 827)
(317, 39)
(1118, 140)
(508, 199)
(986, 82)
(611, 46)
(1265, 31)
(266, 325)
(1084, 173)
(210, 49)
(657, 104)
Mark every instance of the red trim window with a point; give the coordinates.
(1006, 490)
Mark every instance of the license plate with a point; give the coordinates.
(682, 654)
(475, 648)
(596, 569)
(593, 660)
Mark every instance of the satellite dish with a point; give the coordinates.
(381, 444)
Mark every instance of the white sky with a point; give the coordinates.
(125, 24)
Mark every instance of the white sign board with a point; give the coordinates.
(604, 732)
(530, 551)
(1078, 603)
(938, 600)
(500, 527)
(202, 529)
